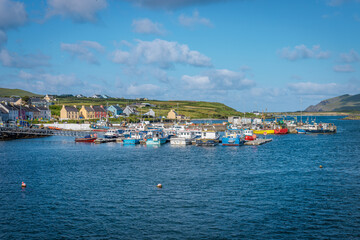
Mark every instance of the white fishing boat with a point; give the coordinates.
(183, 137)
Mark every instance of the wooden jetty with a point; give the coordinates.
(258, 141)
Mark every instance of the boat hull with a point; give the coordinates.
(85, 139)
(206, 142)
(227, 141)
(281, 131)
(180, 141)
(158, 141)
(269, 131)
(131, 141)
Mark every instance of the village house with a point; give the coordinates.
(45, 113)
(38, 102)
(49, 98)
(87, 112)
(175, 116)
(13, 113)
(4, 116)
(12, 100)
(116, 110)
(150, 113)
(69, 112)
(130, 110)
(36, 112)
(99, 111)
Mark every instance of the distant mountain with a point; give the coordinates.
(7, 92)
(344, 103)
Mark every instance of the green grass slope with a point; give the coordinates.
(7, 92)
(192, 109)
(344, 103)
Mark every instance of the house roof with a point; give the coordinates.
(71, 109)
(9, 107)
(3, 111)
(98, 108)
(43, 108)
(88, 109)
(34, 109)
(116, 107)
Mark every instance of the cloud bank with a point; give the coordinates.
(161, 53)
(303, 52)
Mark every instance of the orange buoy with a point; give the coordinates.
(23, 185)
(159, 185)
(320, 166)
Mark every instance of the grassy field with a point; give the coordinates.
(192, 109)
(7, 92)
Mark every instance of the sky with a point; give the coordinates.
(262, 55)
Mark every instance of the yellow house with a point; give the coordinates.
(69, 112)
(87, 112)
(172, 114)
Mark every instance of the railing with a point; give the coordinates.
(41, 132)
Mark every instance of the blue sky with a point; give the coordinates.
(249, 54)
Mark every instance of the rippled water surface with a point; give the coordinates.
(108, 191)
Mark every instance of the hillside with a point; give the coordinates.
(7, 92)
(192, 109)
(344, 103)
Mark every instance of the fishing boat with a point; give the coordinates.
(133, 139)
(183, 137)
(280, 131)
(262, 131)
(249, 135)
(300, 130)
(156, 138)
(112, 133)
(209, 138)
(233, 137)
(87, 138)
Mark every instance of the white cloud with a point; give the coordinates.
(12, 59)
(343, 68)
(12, 14)
(45, 82)
(146, 26)
(311, 88)
(144, 90)
(303, 52)
(82, 50)
(170, 4)
(220, 79)
(78, 11)
(197, 82)
(195, 19)
(161, 53)
(350, 57)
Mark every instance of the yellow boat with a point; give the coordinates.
(268, 131)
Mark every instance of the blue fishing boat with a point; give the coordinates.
(133, 139)
(233, 137)
(156, 138)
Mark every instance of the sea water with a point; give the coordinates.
(108, 191)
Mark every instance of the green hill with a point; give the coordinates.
(344, 103)
(192, 109)
(7, 92)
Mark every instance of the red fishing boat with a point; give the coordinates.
(281, 131)
(88, 138)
